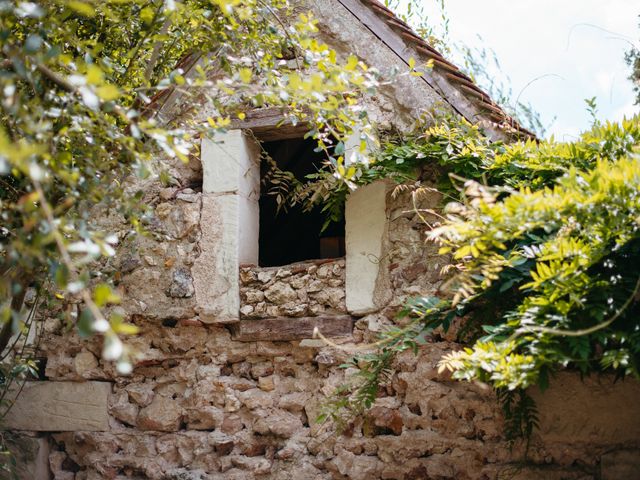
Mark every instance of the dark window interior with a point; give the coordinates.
(294, 235)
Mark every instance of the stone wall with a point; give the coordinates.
(202, 405)
(204, 401)
(227, 410)
(299, 290)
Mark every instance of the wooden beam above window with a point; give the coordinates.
(292, 328)
(271, 123)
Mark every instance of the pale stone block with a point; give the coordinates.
(60, 407)
(366, 221)
(249, 220)
(231, 164)
(311, 343)
(597, 410)
(620, 465)
(216, 271)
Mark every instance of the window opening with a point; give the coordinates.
(293, 235)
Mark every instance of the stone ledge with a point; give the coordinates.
(60, 407)
(292, 328)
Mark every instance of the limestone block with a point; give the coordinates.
(60, 407)
(163, 414)
(215, 271)
(231, 164)
(595, 410)
(181, 284)
(285, 328)
(249, 218)
(279, 423)
(84, 363)
(280, 293)
(356, 467)
(366, 221)
(620, 465)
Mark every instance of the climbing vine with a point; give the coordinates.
(545, 243)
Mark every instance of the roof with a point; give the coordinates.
(407, 41)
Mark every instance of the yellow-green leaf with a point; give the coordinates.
(108, 92)
(81, 8)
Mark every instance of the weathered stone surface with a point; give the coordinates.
(180, 219)
(30, 456)
(279, 423)
(266, 383)
(356, 467)
(122, 409)
(215, 271)
(60, 407)
(280, 293)
(598, 410)
(294, 402)
(231, 424)
(386, 418)
(85, 363)
(163, 414)
(181, 284)
(129, 262)
(366, 222)
(310, 288)
(231, 166)
(279, 329)
(255, 398)
(226, 161)
(620, 465)
(140, 393)
(204, 418)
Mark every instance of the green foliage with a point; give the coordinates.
(520, 412)
(579, 239)
(545, 242)
(82, 88)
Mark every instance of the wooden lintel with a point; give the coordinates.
(271, 123)
(291, 328)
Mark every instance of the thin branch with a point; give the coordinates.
(66, 258)
(590, 330)
(155, 54)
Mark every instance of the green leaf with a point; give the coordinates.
(103, 295)
(82, 8)
(85, 323)
(108, 92)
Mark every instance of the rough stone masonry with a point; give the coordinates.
(230, 382)
(202, 405)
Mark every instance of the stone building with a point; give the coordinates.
(231, 380)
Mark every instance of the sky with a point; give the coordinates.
(556, 53)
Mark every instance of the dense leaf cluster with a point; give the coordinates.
(82, 92)
(91, 93)
(560, 252)
(545, 241)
